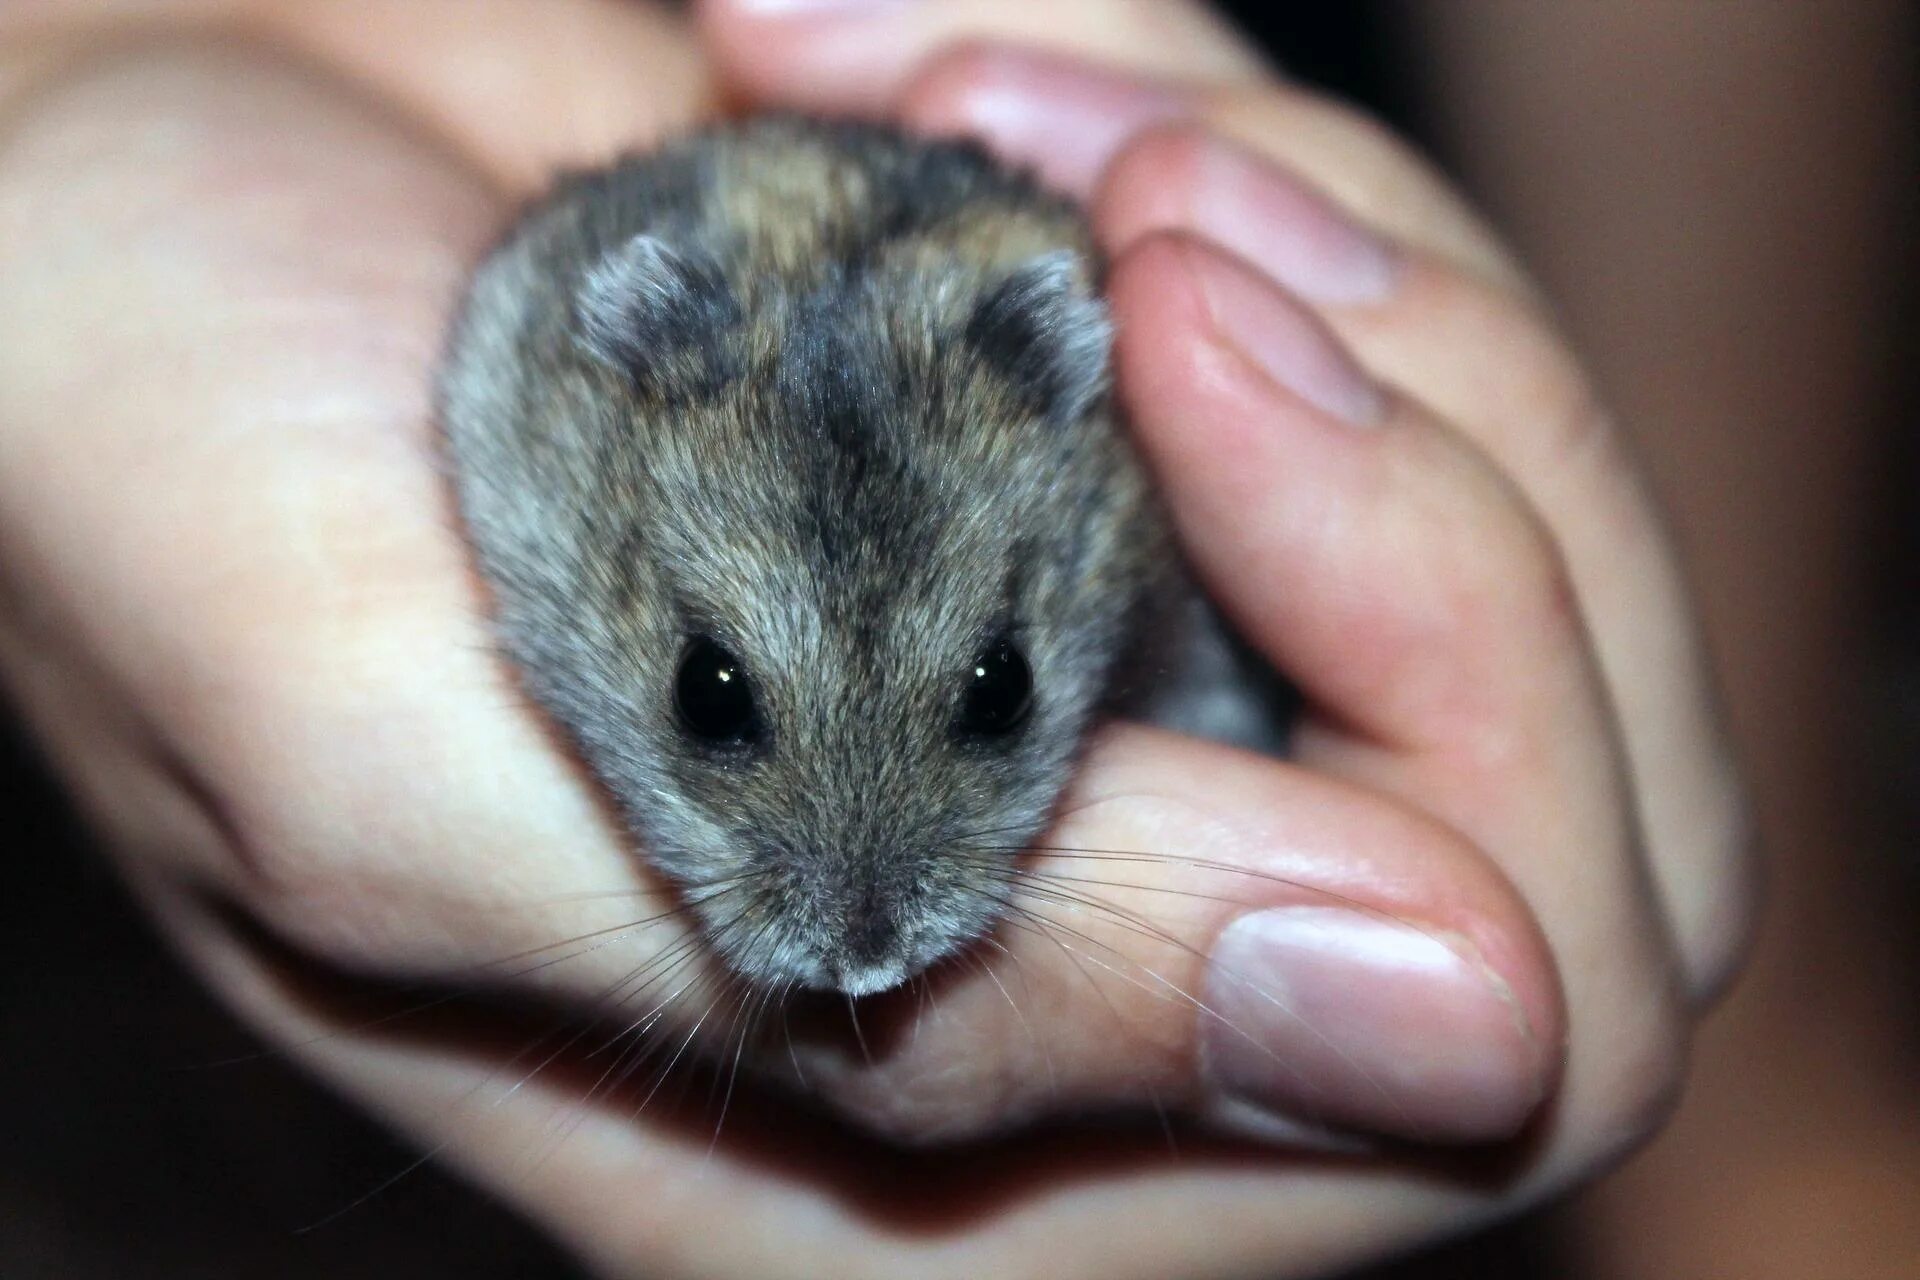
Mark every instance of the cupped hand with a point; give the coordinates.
(1480, 905)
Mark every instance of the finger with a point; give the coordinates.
(1392, 976)
(519, 87)
(240, 533)
(1488, 359)
(269, 564)
(331, 846)
(1036, 108)
(1284, 955)
(1328, 203)
(844, 56)
(1380, 560)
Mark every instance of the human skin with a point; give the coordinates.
(1752, 170)
(233, 608)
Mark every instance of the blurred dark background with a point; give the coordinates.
(119, 1157)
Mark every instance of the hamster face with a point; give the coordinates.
(867, 591)
(855, 742)
(826, 572)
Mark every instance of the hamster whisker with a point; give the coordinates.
(1019, 916)
(692, 896)
(1120, 916)
(466, 1097)
(1058, 813)
(728, 987)
(740, 1017)
(986, 967)
(1046, 887)
(672, 958)
(627, 1064)
(576, 1109)
(652, 973)
(1122, 856)
(1162, 987)
(1165, 983)
(1054, 877)
(1049, 886)
(1136, 924)
(646, 1046)
(483, 979)
(749, 1028)
(655, 972)
(786, 1031)
(923, 996)
(859, 1036)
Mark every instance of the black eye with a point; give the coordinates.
(999, 692)
(714, 696)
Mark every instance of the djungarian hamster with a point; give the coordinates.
(787, 453)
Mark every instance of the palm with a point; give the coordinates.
(236, 605)
(263, 304)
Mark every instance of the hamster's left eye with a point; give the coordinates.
(999, 693)
(714, 697)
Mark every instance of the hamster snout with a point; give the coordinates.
(846, 867)
(787, 455)
(836, 798)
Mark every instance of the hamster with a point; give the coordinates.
(788, 455)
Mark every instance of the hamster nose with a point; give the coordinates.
(869, 956)
(870, 936)
(868, 980)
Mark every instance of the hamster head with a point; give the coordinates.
(828, 584)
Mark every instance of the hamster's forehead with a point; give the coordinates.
(862, 458)
(818, 556)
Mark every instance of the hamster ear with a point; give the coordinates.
(647, 304)
(1043, 328)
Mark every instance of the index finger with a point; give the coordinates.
(856, 57)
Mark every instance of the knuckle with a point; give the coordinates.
(1149, 183)
(1368, 167)
(1547, 595)
(1168, 149)
(1548, 415)
(1508, 569)
(1539, 415)
(1273, 111)
(947, 77)
(1573, 436)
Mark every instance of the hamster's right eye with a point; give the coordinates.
(714, 697)
(999, 693)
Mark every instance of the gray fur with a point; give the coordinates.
(647, 298)
(835, 398)
(1044, 331)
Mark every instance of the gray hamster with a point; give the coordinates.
(788, 456)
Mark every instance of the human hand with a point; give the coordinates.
(235, 609)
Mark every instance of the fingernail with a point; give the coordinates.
(1283, 340)
(785, 8)
(1259, 211)
(1330, 1019)
(1063, 117)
